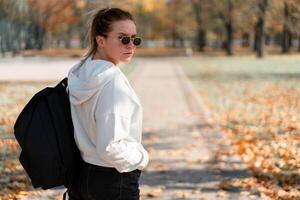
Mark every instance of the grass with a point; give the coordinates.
(257, 104)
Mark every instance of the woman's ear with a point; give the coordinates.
(100, 40)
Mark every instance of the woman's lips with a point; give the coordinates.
(128, 54)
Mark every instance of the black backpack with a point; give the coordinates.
(44, 130)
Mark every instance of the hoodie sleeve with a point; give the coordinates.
(114, 142)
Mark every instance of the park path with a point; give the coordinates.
(35, 68)
(180, 138)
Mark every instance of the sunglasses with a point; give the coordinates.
(126, 40)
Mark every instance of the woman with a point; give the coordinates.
(106, 113)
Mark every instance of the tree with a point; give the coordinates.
(226, 15)
(285, 46)
(290, 23)
(201, 31)
(11, 26)
(225, 11)
(259, 27)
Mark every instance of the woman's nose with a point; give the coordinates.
(130, 45)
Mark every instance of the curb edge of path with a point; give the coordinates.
(197, 104)
(195, 101)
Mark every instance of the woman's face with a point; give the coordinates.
(112, 47)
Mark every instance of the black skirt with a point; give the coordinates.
(105, 183)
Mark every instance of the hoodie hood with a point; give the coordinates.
(89, 76)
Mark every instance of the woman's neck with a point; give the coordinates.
(102, 56)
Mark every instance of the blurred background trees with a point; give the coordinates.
(203, 25)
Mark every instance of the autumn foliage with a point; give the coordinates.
(257, 105)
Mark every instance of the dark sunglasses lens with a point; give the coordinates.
(137, 41)
(125, 40)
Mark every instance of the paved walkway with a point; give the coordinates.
(35, 69)
(179, 137)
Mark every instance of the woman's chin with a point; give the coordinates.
(126, 59)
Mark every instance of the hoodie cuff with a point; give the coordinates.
(145, 158)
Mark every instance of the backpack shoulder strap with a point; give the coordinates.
(63, 83)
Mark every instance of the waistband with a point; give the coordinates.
(102, 168)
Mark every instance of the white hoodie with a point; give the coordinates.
(107, 116)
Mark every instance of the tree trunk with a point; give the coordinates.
(298, 43)
(173, 36)
(267, 39)
(229, 31)
(260, 27)
(2, 47)
(40, 37)
(285, 34)
(260, 38)
(229, 28)
(201, 32)
(17, 39)
(82, 40)
(30, 39)
(9, 39)
(2, 39)
(68, 38)
(181, 42)
(201, 39)
(255, 41)
(290, 39)
(245, 40)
